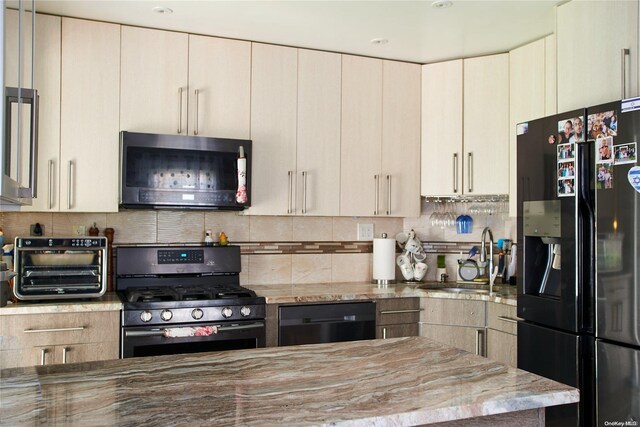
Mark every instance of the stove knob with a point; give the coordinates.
(197, 314)
(227, 312)
(145, 316)
(245, 311)
(166, 315)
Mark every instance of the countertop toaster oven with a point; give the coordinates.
(60, 267)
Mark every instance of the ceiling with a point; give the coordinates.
(415, 30)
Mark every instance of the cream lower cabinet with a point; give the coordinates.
(44, 339)
(90, 102)
(397, 317)
(458, 323)
(502, 333)
(380, 138)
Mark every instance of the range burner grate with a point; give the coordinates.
(186, 293)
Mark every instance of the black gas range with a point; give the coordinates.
(185, 299)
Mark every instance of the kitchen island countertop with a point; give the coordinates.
(401, 381)
(327, 292)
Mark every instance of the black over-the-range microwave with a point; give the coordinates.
(173, 171)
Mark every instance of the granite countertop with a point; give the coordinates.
(325, 292)
(401, 381)
(108, 302)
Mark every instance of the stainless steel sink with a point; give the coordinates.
(458, 290)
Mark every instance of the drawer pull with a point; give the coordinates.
(384, 333)
(507, 319)
(43, 353)
(35, 331)
(64, 355)
(418, 310)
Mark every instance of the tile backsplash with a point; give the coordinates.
(271, 262)
(276, 249)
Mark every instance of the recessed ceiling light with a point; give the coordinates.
(162, 9)
(441, 4)
(379, 41)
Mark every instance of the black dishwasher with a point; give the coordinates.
(324, 323)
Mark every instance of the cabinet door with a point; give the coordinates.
(89, 146)
(526, 100)
(391, 311)
(46, 79)
(273, 129)
(441, 154)
(154, 88)
(318, 145)
(76, 353)
(458, 312)
(361, 153)
(400, 193)
(486, 125)
(462, 337)
(502, 347)
(590, 36)
(397, 331)
(220, 70)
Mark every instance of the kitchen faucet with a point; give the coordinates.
(483, 255)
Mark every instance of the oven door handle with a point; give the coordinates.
(255, 325)
(160, 332)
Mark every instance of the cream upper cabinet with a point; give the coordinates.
(527, 100)
(400, 172)
(361, 150)
(46, 77)
(465, 127)
(274, 91)
(318, 133)
(591, 36)
(154, 90)
(89, 146)
(219, 87)
(441, 151)
(486, 125)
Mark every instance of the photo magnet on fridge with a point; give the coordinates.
(634, 177)
(604, 176)
(625, 153)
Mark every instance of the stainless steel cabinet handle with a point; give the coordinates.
(290, 192)
(507, 319)
(376, 189)
(479, 332)
(384, 333)
(304, 192)
(43, 353)
(470, 170)
(36, 331)
(179, 110)
(50, 184)
(455, 172)
(64, 355)
(623, 75)
(69, 179)
(418, 310)
(388, 194)
(195, 129)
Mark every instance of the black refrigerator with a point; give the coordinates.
(578, 259)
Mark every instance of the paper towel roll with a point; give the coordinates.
(384, 260)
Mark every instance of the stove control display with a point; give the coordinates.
(197, 314)
(227, 312)
(146, 316)
(166, 315)
(245, 311)
(189, 256)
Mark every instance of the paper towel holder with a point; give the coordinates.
(384, 282)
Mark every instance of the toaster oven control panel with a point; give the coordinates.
(62, 242)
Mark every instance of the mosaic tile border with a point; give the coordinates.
(346, 247)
